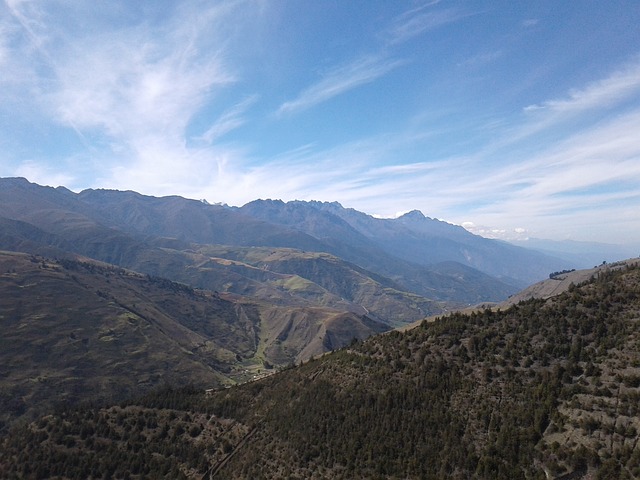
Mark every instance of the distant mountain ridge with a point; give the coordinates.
(287, 257)
(120, 227)
(582, 254)
(411, 237)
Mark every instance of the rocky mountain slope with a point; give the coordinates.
(156, 237)
(79, 330)
(544, 389)
(122, 227)
(411, 237)
(561, 281)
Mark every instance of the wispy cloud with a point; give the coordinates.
(553, 190)
(601, 94)
(340, 80)
(418, 20)
(368, 68)
(43, 175)
(133, 89)
(618, 90)
(137, 80)
(562, 187)
(481, 59)
(229, 120)
(17, 73)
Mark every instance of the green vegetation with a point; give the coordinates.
(553, 275)
(544, 389)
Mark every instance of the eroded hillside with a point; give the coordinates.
(76, 331)
(544, 389)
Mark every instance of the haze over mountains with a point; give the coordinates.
(376, 244)
(582, 254)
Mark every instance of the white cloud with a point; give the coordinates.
(340, 80)
(17, 73)
(43, 175)
(416, 21)
(517, 233)
(604, 93)
(229, 120)
(133, 89)
(591, 178)
(132, 83)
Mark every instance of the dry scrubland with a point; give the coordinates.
(543, 389)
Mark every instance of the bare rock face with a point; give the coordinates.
(560, 282)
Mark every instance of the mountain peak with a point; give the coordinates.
(266, 201)
(320, 203)
(413, 215)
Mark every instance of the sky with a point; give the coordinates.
(515, 119)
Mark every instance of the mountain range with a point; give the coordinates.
(395, 270)
(427, 256)
(411, 237)
(148, 337)
(221, 293)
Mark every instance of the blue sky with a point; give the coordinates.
(512, 118)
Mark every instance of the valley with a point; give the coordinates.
(149, 337)
(544, 389)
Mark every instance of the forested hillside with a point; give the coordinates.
(544, 389)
